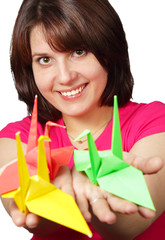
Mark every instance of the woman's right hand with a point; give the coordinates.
(20, 219)
(33, 223)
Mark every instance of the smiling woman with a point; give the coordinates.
(74, 56)
(109, 49)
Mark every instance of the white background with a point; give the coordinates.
(144, 24)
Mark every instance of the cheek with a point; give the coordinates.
(95, 70)
(99, 76)
(41, 84)
(42, 81)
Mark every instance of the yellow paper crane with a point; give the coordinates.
(37, 195)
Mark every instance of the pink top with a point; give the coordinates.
(137, 121)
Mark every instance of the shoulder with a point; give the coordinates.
(139, 120)
(134, 109)
(22, 126)
(58, 135)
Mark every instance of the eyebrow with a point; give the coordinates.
(39, 54)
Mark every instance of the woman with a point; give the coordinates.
(74, 56)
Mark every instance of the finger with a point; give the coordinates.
(84, 207)
(121, 206)
(63, 176)
(151, 165)
(32, 220)
(67, 188)
(102, 211)
(146, 165)
(146, 213)
(63, 181)
(18, 217)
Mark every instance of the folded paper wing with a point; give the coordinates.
(109, 171)
(37, 195)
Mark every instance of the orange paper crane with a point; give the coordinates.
(55, 157)
(37, 195)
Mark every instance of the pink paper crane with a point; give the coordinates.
(55, 157)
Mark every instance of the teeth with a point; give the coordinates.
(73, 92)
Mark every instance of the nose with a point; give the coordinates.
(65, 73)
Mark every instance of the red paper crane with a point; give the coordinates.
(55, 157)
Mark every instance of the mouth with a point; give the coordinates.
(73, 92)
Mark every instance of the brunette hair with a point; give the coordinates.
(70, 24)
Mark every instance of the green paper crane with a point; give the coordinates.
(109, 171)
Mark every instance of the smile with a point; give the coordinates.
(73, 92)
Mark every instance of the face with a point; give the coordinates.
(72, 82)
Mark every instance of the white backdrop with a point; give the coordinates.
(144, 24)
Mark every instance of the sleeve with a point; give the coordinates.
(142, 120)
(11, 129)
(149, 120)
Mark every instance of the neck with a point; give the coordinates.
(95, 121)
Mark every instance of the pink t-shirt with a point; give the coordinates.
(137, 121)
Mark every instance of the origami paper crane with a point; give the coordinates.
(37, 195)
(55, 157)
(109, 171)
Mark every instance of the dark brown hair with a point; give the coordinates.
(70, 24)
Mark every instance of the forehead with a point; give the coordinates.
(37, 38)
(42, 41)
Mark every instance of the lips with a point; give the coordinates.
(73, 92)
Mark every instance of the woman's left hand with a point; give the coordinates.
(104, 204)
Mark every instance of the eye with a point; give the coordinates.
(79, 52)
(45, 60)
